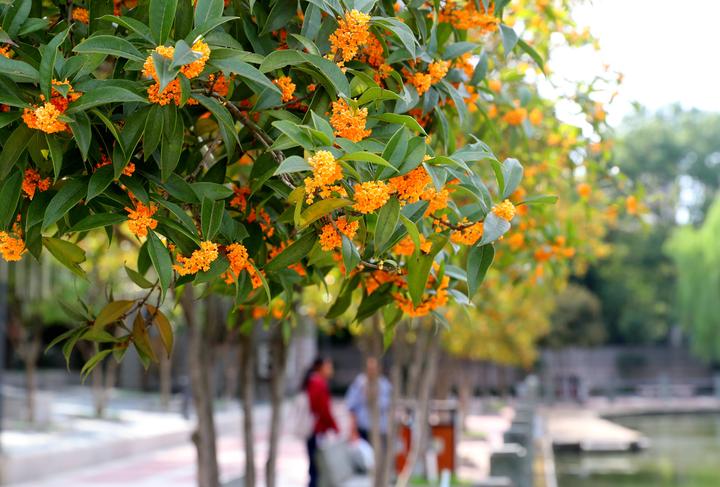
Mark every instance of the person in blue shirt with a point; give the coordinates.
(356, 400)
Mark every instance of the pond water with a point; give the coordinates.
(684, 451)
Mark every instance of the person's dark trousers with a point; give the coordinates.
(312, 451)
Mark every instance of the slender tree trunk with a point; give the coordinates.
(231, 367)
(277, 389)
(421, 412)
(374, 350)
(30, 358)
(204, 435)
(464, 395)
(416, 365)
(165, 375)
(98, 391)
(247, 366)
(392, 427)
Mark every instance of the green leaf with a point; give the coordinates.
(326, 68)
(185, 220)
(131, 24)
(162, 15)
(412, 230)
(98, 220)
(171, 143)
(15, 15)
(532, 53)
(112, 312)
(512, 174)
(211, 215)
(100, 180)
(493, 228)
(9, 196)
(206, 27)
(160, 258)
(213, 191)
(206, 10)
(387, 220)
(295, 133)
(19, 71)
(370, 304)
(293, 253)
(164, 69)
(478, 262)
(225, 121)
(509, 38)
(69, 195)
(164, 327)
(280, 16)
(82, 132)
(13, 147)
(368, 157)
(401, 31)
(419, 266)
(67, 253)
(323, 207)
(344, 299)
(104, 95)
(543, 199)
(183, 55)
(48, 58)
(350, 254)
(406, 120)
(138, 278)
(141, 340)
(230, 61)
(93, 362)
(110, 45)
(292, 164)
(62, 337)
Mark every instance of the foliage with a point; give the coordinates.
(697, 257)
(252, 148)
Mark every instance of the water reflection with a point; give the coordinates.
(684, 451)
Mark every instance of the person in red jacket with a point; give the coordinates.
(316, 387)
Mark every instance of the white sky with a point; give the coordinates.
(667, 51)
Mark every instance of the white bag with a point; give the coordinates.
(302, 419)
(362, 455)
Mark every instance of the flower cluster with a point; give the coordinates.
(437, 70)
(128, 170)
(33, 182)
(410, 187)
(379, 277)
(218, 83)
(349, 122)
(421, 82)
(464, 15)
(237, 254)
(81, 15)
(326, 171)
(406, 246)
(47, 116)
(11, 248)
(172, 92)
(505, 210)
(429, 303)
(286, 87)
(330, 237)
(352, 33)
(141, 218)
(467, 235)
(370, 196)
(516, 116)
(199, 260)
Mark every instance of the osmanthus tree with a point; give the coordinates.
(248, 147)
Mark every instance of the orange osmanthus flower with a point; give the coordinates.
(370, 196)
(11, 248)
(428, 304)
(505, 210)
(584, 190)
(286, 87)
(410, 187)
(330, 237)
(33, 182)
(141, 218)
(406, 246)
(81, 15)
(437, 70)
(326, 171)
(421, 82)
(516, 116)
(353, 32)
(199, 260)
(467, 235)
(349, 122)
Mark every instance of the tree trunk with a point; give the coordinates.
(421, 412)
(30, 358)
(392, 427)
(247, 366)
(231, 367)
(374, 350)
(98, 391)
(277, 388)
(204, 435)
(165, 375)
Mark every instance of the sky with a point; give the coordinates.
(666, 50)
